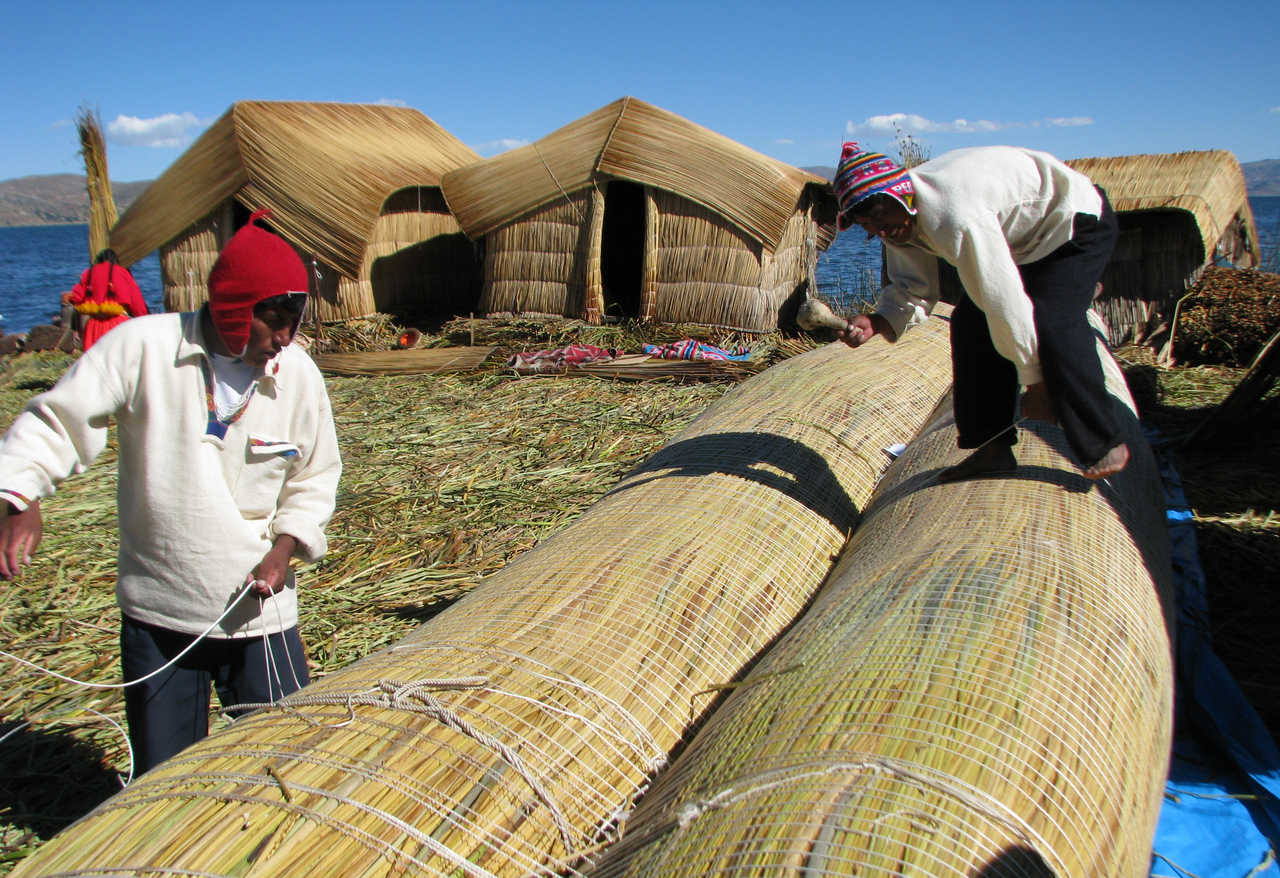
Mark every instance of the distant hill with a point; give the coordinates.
(56, 199)
(1262, 178)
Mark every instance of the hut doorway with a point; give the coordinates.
(424, 270)
(622, 248)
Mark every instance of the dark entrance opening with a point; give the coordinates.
(622, 248)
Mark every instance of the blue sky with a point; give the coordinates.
(1076, 79)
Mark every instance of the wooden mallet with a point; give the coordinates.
(814, 314)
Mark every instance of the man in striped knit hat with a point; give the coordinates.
(1029, 237)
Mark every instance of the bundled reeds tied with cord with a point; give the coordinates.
(102, 204)
(509, 734)
(983, 687)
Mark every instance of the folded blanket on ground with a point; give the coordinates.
(559, 359)
(688, 349)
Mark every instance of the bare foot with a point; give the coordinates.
(990, 460)
(1109, 464)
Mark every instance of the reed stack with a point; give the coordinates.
(102, 204)
(513, 733)
(983, 687)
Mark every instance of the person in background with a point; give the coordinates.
(228, 468)
(1030, 238)
(105, 296)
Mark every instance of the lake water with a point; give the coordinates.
(39, 263)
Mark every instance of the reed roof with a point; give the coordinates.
(1209, 184)
(324, 169)
(633, 140)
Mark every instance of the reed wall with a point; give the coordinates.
(708, 270)
(186, 261)
(538, 264)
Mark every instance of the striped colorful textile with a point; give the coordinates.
(688, 349)
(559, 359)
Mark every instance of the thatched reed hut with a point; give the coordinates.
(633, 211)
(354, 187)
(1178, 213)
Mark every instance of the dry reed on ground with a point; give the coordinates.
(506, 734)
(984, 686)
(1227, 317)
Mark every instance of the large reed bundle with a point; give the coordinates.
(983, 687)
(509, 733)
(423, 361)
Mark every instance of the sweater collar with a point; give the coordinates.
(194, 346)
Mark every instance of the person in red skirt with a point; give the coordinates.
(105, 296)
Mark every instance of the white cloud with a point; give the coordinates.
(503, 144)
(1275, 109)
(784, 141)
(910, 123)
(166, 131)
(390, 102)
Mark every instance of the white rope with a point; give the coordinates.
(90, 685)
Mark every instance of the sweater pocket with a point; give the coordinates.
(267, 462)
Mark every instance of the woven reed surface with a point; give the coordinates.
(1208, 183)
(708, 270)
(323, 168)
(505, 735)
(635, 141)
(417, 361)
(983, 687)
(539, 265)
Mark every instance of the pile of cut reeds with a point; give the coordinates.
(983, 687)
(509, 733)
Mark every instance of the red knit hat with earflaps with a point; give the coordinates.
(255, 265)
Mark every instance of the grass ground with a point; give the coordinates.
(447, 479)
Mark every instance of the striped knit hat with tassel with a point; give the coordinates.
(862, 174)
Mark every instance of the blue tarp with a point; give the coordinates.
(1221, 811)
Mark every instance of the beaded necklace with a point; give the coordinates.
(215, 426)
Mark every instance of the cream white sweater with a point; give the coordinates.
(986, 210)
(196, 513)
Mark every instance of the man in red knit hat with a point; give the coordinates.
(228, 469)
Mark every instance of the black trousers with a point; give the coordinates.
(1061, 288)
(170, 711)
